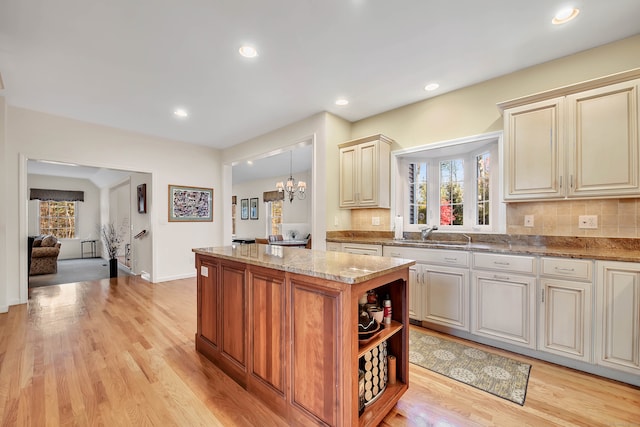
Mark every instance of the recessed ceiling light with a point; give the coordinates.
(342, 101)
(249, 162)
(431, 86)
(565, 15)
(180, 112)
(248, 51)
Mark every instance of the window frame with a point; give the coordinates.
(468, 149)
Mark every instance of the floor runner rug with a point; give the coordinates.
(498, 375)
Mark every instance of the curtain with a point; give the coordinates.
(272, 196)
(57, 195)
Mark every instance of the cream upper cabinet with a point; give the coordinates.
(533, 158)
(579, 145)
(603, 133)
(365, 172)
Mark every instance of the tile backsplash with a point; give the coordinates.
(616, 218)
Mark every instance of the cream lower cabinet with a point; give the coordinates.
(438, 285)
(618, 315)
(565, 307)
(503, 302)
(445, 296)
(415, 292)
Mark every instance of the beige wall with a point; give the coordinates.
(33, 135)
(473, 111)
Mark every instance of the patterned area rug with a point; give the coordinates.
(501, 376)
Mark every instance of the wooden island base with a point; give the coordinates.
(291, 338)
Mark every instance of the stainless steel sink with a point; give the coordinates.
(439, 243)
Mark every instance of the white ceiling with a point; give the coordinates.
(129, 64)
(100, 177)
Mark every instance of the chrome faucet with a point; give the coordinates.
(426, 232)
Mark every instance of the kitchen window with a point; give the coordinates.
(454, 186)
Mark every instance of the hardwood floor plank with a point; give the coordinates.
(121, 353)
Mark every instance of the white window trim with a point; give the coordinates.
(400, 159)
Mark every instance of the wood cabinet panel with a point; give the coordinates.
(315, 358)
(208, 301)
(233, 297)
(268, 331)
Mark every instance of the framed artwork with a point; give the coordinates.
(190, 204)
(254, 208)
(142, 198)
(244, 209)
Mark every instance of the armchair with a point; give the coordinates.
(44, 255)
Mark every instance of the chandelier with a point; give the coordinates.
(291, 187)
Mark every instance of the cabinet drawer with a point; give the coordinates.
(430, 256)
(362, 249)
(576, 269)
(512, 263)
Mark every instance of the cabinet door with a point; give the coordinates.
(618, 316)
(415, 293)
(367, 194)
(565, 318)
(208, 301)
(446, 296)
(533, 150)
(603, 127)
(348, 176)
(233, 299)
(504, 307)
(268, 327)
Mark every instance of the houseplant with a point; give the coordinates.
(112, 239)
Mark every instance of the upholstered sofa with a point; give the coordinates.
(44, 255)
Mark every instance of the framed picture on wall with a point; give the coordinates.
(244, 209)
(254, 208)
(142, 198)
(190, 203)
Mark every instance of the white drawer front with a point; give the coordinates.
(511, 263)
(576, 269)
(430, 256)
(362, 249)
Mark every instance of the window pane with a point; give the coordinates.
(58, 219)
(452, 192)
(418, 193)
(483, 162)
(276, 215)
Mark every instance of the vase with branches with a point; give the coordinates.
(112, 239)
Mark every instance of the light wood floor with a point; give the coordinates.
(122, 352)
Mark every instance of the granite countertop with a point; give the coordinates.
(336, 266)
(606, 249)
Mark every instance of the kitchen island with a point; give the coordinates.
(283, 323)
